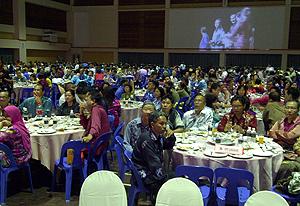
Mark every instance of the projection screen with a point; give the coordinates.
(227, 28)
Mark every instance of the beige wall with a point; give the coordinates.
(95, 27)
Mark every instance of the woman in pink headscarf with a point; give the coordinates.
(16, 136)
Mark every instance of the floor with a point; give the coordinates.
(19, 194)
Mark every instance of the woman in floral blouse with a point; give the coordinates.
(17, 136)
(238, 119)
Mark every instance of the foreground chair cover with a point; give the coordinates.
(264, 198)
(103, 188)
(179, 192)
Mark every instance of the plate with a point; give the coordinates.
(71, 127)
(227, 142)
(262, 154)
(214, 154)
(243, 156)
(184, 147)
(46, 131)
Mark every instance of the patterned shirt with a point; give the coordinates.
(12, 138)
(133, 131)
(148, 157)
(247, 120)
(198, 122)
(31, 105)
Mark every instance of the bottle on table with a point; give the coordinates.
(253, 134)
(39, 111)
(25, 114)
(209, 129)
(72, 115)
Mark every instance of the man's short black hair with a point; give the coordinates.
(274, 96)
(294, 92)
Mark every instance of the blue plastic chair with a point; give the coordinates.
(111, 119)
(137, 185)
(120, 149)
(26, 93)
(78, 164)
(193, 173)
(238, 188)
(55, 95)
(293, 200)
(113, 142)
(4, 171)
(47, 92)
(101, 159)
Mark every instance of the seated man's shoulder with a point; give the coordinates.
(134, 122)
(188, 113)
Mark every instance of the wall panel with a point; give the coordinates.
(45, 18)
(194, 59)
(141, 29)
(253, 60)
(6, 12)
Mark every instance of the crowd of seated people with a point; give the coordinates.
(92, 91)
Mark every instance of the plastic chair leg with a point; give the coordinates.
(53, 184)
(3, 183)
(132, 196)
(69, 174)
(29, 177)
(220, 202)
(105, 162)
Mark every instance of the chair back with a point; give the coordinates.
(135, 173)
(103, 188)
(47, 92)
(180, 192)
(77, 146)
(111, 119)
(120, 142)
(26, 93)
(99, 142)
(119, 129)
(263, 198)
(235, 178)
(55, 94)
(193, 173)
(5, 149)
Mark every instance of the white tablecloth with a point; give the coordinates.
(47, 147)
(130, 111)
(263, 168)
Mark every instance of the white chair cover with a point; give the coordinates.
(264, 198)
(102, 188)
(179, 192)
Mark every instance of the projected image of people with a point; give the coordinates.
(240, 34)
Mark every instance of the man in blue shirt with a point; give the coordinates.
(37, 101)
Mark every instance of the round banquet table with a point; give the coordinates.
(130, 111)
(263, 168)
(47, 147)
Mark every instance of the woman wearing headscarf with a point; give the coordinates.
(16, 136)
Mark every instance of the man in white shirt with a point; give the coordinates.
(200, 118)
